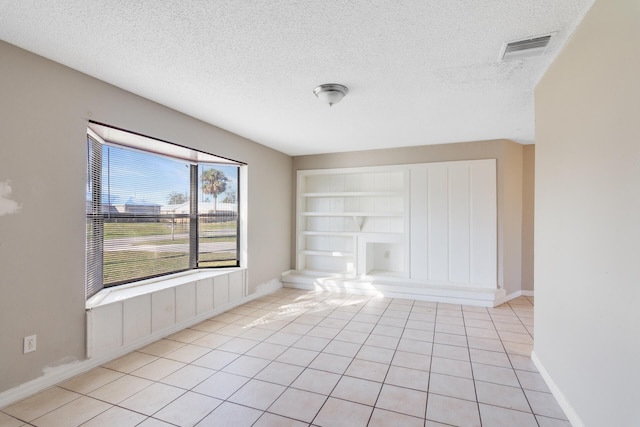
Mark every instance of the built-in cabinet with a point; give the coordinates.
(418, 230)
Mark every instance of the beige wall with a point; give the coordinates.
(528, 190)
(509, 164)
(44, 108)
(587, 269)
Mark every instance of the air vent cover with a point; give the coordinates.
(527, 48)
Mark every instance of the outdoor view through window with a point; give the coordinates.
(150, 214)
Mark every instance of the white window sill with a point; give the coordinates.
(134, 289)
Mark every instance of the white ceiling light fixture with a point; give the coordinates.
(331, 93)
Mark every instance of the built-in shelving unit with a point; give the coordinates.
(338, 210)
(422, 230)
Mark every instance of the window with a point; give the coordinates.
(155, 208)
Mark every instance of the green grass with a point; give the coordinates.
(118, 230)
(131, 265)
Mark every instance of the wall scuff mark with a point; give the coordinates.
(7, 206)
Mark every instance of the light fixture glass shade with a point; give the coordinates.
(331, 93)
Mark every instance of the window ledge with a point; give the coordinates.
(142, 287)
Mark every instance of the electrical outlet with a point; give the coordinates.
(30, 344)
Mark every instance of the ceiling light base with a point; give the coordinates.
(331, 93)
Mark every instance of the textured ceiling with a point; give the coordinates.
(419, 72)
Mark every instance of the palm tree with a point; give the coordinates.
(214, 182)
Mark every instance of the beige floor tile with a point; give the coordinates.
(221, 385)
(485, 344)
(266, 350)
(450, 329)
(403, 400)
(153, 422)
(503, 396)
(552, 422)
(532, 381)
(450, 339)
(324, 332)
(37, 405)
(523, 363)
(487, 357)
(382, 418)
(449, 320)
(297, 356)
(418, 334)
(73, 413)
(215, 359)
(449, 410)
(91, 380)
(331, 363)
(213, 340)
(510, 327)
(411, 360)
(187, 335)
(446, 385)
(208, 326)
(515, 337)
(298, 404)
(342, 348)
(297, 328)
(382, 341)
(120, 389)
(8, 421)
(188, 409)
(495, 374)
(458, 368)
(161, 347)
(321, 382)
(494, 416)
(544, 404)
(158, 369)
(257, 394)
(188, 353)
(353, 336)
(410, 378)
(415, 346)
(310, 343)
(392, 321)
(231, 415)
(491, 334)
(357, 326)
(257, 333)
(451, 352)
(238, 345)
(188, 377)
(283, 338)
(116, 416)
(388, 331)
(375, 354)
(130, 362)
(367, 370)
(280, 373)
(246, 365)
(340, 413)
(518, 348)
(471, 322)
(357, 390)
(273, 420)
(152, 398)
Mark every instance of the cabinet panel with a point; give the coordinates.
(438, 223)
(459, 223)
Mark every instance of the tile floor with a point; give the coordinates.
(299, 358)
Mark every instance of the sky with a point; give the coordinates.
(129, 174)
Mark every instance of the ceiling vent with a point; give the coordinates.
(523, 49)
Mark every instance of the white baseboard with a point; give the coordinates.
(571, 414)
(53, 376)
(527, 293)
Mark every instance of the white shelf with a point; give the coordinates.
(353, 194)
(356, 214)
(327, 253)
(329, 233)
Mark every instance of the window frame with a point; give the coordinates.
(99, 134)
